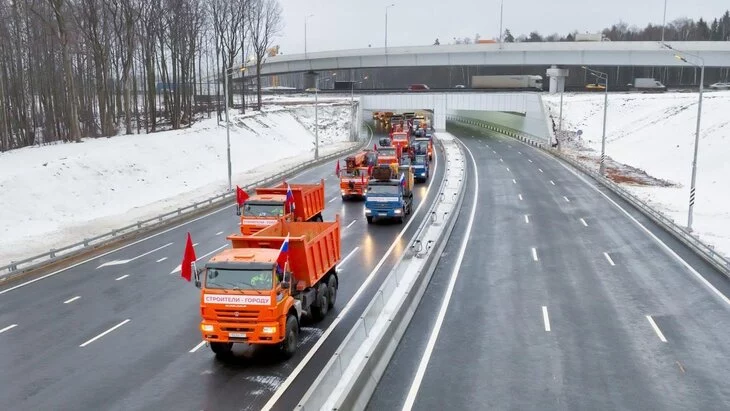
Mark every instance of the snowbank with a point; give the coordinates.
(59, 194)
(654, 133)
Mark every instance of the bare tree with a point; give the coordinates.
(264, 23)
(71, 102)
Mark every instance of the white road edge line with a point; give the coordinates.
(70, 300)
(666, 248)
(656, 328)
(608, 257)
(308, 357)
(527, 219)
(9, 327)
(105, 333)
(534, 254)
(546, 318)
(418, 378)
(197, 347)
(584, 222)
(351, 223)
(122, 277)
(342, 261)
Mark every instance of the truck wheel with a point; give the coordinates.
(221, 349)
(370, 220)
(332, 289)
(289, 345)
(320, 310)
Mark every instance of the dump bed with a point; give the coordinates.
(308, 198)
(314, 247)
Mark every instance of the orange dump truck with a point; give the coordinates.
(245, 298)
(400, 141)
(268, 205)
(353, 183)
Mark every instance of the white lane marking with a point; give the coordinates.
(534, 253)
(308, 357)
(494, 152)
(656, 328)
(608, 257)
(70, 300)
(527, 219)
(105, 333)
(179, 267)
(546, 318)
(501, 160)
(118, 262)
(552, 182)
(122, 277)
(342, 262)
(219, 233)
(584, 222)
(666, 248)
(418, 378)
(351, 223)
(540, 170)
(529, 160)
(195, 244)
(520, 196)
(566, 198)
(520, 152)
(161, 260)
(514, 181)
(507, 168)
(197, 347)
(333, 199)
(9, 327)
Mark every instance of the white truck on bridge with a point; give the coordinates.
(507, 82)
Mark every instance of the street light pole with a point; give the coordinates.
(228, 127)
(316, 124)
(697, 143)
(501, 13)
(602, 76)
(386, 27)
(305, 34)
(664, 21)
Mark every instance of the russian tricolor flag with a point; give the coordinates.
(403, 179)
(289, 198)
(283, 254)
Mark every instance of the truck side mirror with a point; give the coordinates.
(286, 281)
(238, 210)
(197, 277)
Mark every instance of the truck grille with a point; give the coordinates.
(234, 316)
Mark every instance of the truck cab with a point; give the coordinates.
(421, 169)
(354, 182)
(423, 146)
(389, 193)
(400, 141)
(387, 155)
(268, 205)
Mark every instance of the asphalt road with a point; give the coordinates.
(125, 335)
(601, 315)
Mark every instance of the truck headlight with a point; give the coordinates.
(207, 328)
(423, 174)
(367, 211)
(398, 211)
(269, 330)
(343, 192)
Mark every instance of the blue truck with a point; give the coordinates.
(389, 194)
(420, 167)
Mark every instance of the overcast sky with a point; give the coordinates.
(344, 24)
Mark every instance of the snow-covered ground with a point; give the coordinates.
(650, 141)
(58, 194)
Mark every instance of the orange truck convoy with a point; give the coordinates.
(257, 291)
(305, 203)
(354, 178)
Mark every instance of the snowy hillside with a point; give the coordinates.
(654, 133)
(58, 194)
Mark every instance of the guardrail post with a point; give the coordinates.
(139, 224)
(13, 266)
(114, 233)
(86, 242)
(52, 253)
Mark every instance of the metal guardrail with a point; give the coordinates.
(87, 244)
(705, 251)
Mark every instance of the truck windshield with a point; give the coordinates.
(420, 159)
(387, 152)
(383, 190)
(263, 209)
(239, 279)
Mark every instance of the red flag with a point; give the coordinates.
(362, 178)
(375, 147)
(337, 169)
(188, 259)
(370, 170)
(241, 196)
